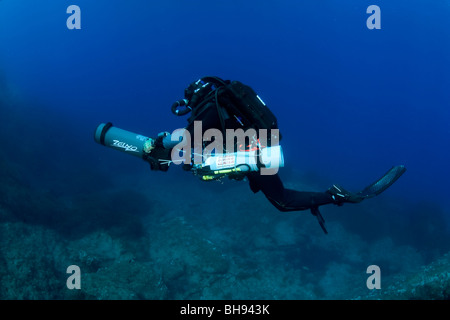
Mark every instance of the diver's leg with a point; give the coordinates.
(301, 200)
(286, 199)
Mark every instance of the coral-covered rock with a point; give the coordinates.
(431, 282)
(187, 260)
(27, 262)
(124, 280)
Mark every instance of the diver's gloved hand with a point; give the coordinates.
(156, 155)
(159, 159)
(341, 196)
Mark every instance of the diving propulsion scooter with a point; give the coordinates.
(214, 167)
(370, 191)
(121, 140)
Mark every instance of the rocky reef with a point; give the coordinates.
(195, 257)
(431, 281)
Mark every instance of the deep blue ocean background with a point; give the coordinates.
(350, 102)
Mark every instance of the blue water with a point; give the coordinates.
(350, 102)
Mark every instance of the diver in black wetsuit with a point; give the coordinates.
(208, 106)
(222, 104)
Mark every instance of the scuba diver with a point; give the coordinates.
(232, 109)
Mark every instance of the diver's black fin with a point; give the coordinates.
(383, 183)
(370, 191)
(315, 211)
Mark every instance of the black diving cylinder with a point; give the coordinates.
(122, 140)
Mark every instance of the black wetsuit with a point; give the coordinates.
(271, 185)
